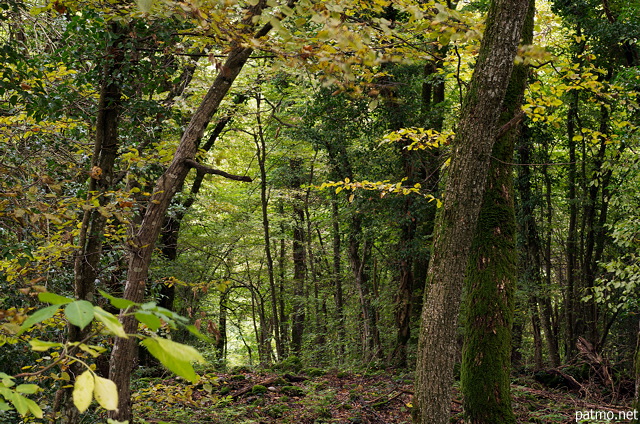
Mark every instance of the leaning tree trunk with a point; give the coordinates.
(143, 241)
(459, 214)
(486, 357)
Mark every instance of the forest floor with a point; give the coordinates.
(335, 397)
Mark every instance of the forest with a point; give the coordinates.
(319, 211)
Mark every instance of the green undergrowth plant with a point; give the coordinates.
(90, 385)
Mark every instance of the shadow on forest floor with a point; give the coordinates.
(334, 397)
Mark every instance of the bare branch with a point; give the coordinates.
(203, 168)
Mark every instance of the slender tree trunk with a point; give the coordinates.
(299, 279)
(264, 202)
(284, 328)
(91, 239)
(547, 310)
(337, 277)
(221, 337)
(461, 205)
(537, 333)
(572, 242)
(143, 241)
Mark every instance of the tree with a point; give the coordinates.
(461, 204)
(491, 276)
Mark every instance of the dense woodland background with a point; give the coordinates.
(290, 160)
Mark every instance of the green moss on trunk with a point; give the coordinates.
(491, 277)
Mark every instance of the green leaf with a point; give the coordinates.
(24, 405)
(148, 305)
(38, 316)
(54, 299)
(79, 313)
(145, 5)
(83, 391)
(116, 301)
(42, 346)
(106, 393)
(27, 388)
(193, 330)
(109, 321)
(149, 319)
(176, 357)
(4, 406)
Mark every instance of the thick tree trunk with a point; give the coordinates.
(491, 276)
(143, 241)
(461, 205)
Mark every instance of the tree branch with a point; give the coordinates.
(203, 168)
(511, 124)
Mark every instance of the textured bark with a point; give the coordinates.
(143, 241)
(491, 276)
(87, 258)
(459, 214)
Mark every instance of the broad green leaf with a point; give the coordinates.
(148, 305)
(149, 319)
(145, 5)
(116, 301)
(106, 393)
(24, 405)
(54, 299)
(4, 375)
(27, 388)
(4, 406)
(34, 408)
(83, 391)
(38, 316)
(79, 313)
(193, 330)
(109, 321)
(42, 346)
(175, 356)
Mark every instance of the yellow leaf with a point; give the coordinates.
(83, 391)
(106, 393)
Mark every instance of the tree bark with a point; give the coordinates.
(91, 238)
(143, 241)
(491, 276)
(461, 205)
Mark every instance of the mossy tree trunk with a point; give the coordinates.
(458, 216)
(492, 273)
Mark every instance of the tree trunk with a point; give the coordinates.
(143, 241)
(264, 203)
(491, 276)
(337, 276)
(299, 277)
(572, 243)
(91, 238)
(461, 205)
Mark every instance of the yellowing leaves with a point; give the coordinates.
(88, 386)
